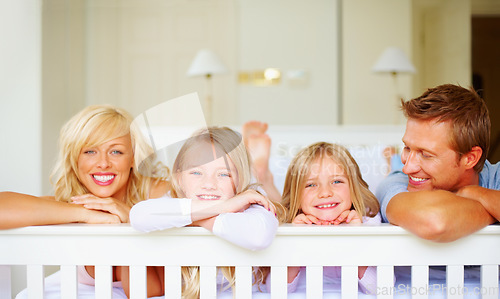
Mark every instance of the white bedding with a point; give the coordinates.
(402, 288)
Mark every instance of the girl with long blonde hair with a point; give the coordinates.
(213, 189)
(324, 186)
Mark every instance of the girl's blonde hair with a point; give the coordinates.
(91, 127)
(221, 142)
(215, 142)
(363, 200)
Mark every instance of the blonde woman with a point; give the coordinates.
(212, 189)
(323, 186)
(95, 179)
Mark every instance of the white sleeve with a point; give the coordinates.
(253, 228)
(368, 283)
(377, 219)
(161, 213)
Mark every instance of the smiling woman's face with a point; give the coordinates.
(105, 169)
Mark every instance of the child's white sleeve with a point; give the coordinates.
(377, 219)
(161, 213)
(253, 228)
(368, 283)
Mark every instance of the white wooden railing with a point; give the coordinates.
(384, 246)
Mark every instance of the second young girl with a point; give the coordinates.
(212, 189)
(324, 186)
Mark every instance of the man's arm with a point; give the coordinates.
(490, 199)
(438, 215)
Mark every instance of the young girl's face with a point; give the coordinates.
(210, 181)
(326, 191)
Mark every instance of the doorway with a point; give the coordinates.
(486, 72)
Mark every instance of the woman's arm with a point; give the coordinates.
(18, 210)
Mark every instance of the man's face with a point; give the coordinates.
(429, 161)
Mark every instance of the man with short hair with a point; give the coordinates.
(447, 188)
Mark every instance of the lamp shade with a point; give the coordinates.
(206, 63)
(393, 60)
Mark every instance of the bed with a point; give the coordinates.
(384, 246)
(467, 268)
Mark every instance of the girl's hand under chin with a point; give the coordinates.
(108, 204)
(348, 216)
(306, 219)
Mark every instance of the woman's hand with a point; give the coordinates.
(348, 216)
(99, 217)
(108, 204)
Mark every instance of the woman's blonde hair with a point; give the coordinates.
(363, 200)
(91, 127)
(216, 142)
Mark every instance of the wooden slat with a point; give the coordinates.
(419, 282)
(138, 286)
(208, 282)
(455, 281)
(385, 281)
(69, 282)
(35, 277)
(173, 282)
(279, 276)
(103, 282)
(489, 282)
(243, 282)
(314, 282)
(349, 282)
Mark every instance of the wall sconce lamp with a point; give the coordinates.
(394, 61)
(267, 77)
(206, 63)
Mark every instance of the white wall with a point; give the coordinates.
(290, 35)
(138, 52)
(435, 35)
(63, 74)
(368, 28)
(442, 43)
(21, 104)
(20, 96)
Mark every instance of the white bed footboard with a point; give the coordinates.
(384, 246)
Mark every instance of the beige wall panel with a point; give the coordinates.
(368, 28)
